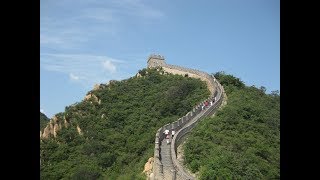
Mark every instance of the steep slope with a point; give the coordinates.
(243, 140)
(111, 133)
(43, 120)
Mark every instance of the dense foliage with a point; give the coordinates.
(118, 134)
(243, 140)
(43, 120)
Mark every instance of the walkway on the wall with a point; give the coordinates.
(172, 169)
(166, 157)
(166, 166)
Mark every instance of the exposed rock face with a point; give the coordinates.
(148, 167)
(92, 96)
(46, 132)
(79, 130)
(53, 127)
(96, 87)
(102, 116)
(56, 128)
(55, 119)
(66, 124)
(100, 86)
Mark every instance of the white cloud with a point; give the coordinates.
(83, 68)
(73, 77)
(89, 20)
(62, 38)
(41, 110)
(109, 66)
(76, 26)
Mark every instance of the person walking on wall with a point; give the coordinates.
(172, 132)
(206, 103)
(167, 136)
(166, 132)
(168, 139)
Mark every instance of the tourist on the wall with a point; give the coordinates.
(167, 136)
(166, 132)
(168, 139)
(172, 132)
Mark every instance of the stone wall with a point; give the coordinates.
(156, 61)
(181, 173)
(191, 73)
(216, 90)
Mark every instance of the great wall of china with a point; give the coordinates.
(166, 165)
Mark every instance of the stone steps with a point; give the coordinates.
(164, 148)
(166, 159)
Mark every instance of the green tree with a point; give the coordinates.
(43, 120)
(243, 140)
(117, 135)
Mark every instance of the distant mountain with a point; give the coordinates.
(110, 134)
(43, 120)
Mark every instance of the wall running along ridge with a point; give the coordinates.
(186, 123)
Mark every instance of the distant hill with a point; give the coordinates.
(110, 134)
(43, 120)
(243, 140)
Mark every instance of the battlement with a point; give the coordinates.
(156, 60)
(169, 167)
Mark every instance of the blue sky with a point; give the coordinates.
(86, 42)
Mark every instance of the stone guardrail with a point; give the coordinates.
(181, 122)
(196, 74)
(179, 170)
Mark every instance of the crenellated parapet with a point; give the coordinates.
(187, 122)
(156, 61)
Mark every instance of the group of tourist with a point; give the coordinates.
(205, 104)
(169, 134)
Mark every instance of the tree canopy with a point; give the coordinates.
(242, 141)
(118, 133)
(43, 120)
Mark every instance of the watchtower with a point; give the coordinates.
(155, 61)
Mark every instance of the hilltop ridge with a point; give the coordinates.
(118, 122)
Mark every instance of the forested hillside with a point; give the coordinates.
(117, 130)
(243, 140)
(43, 120)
